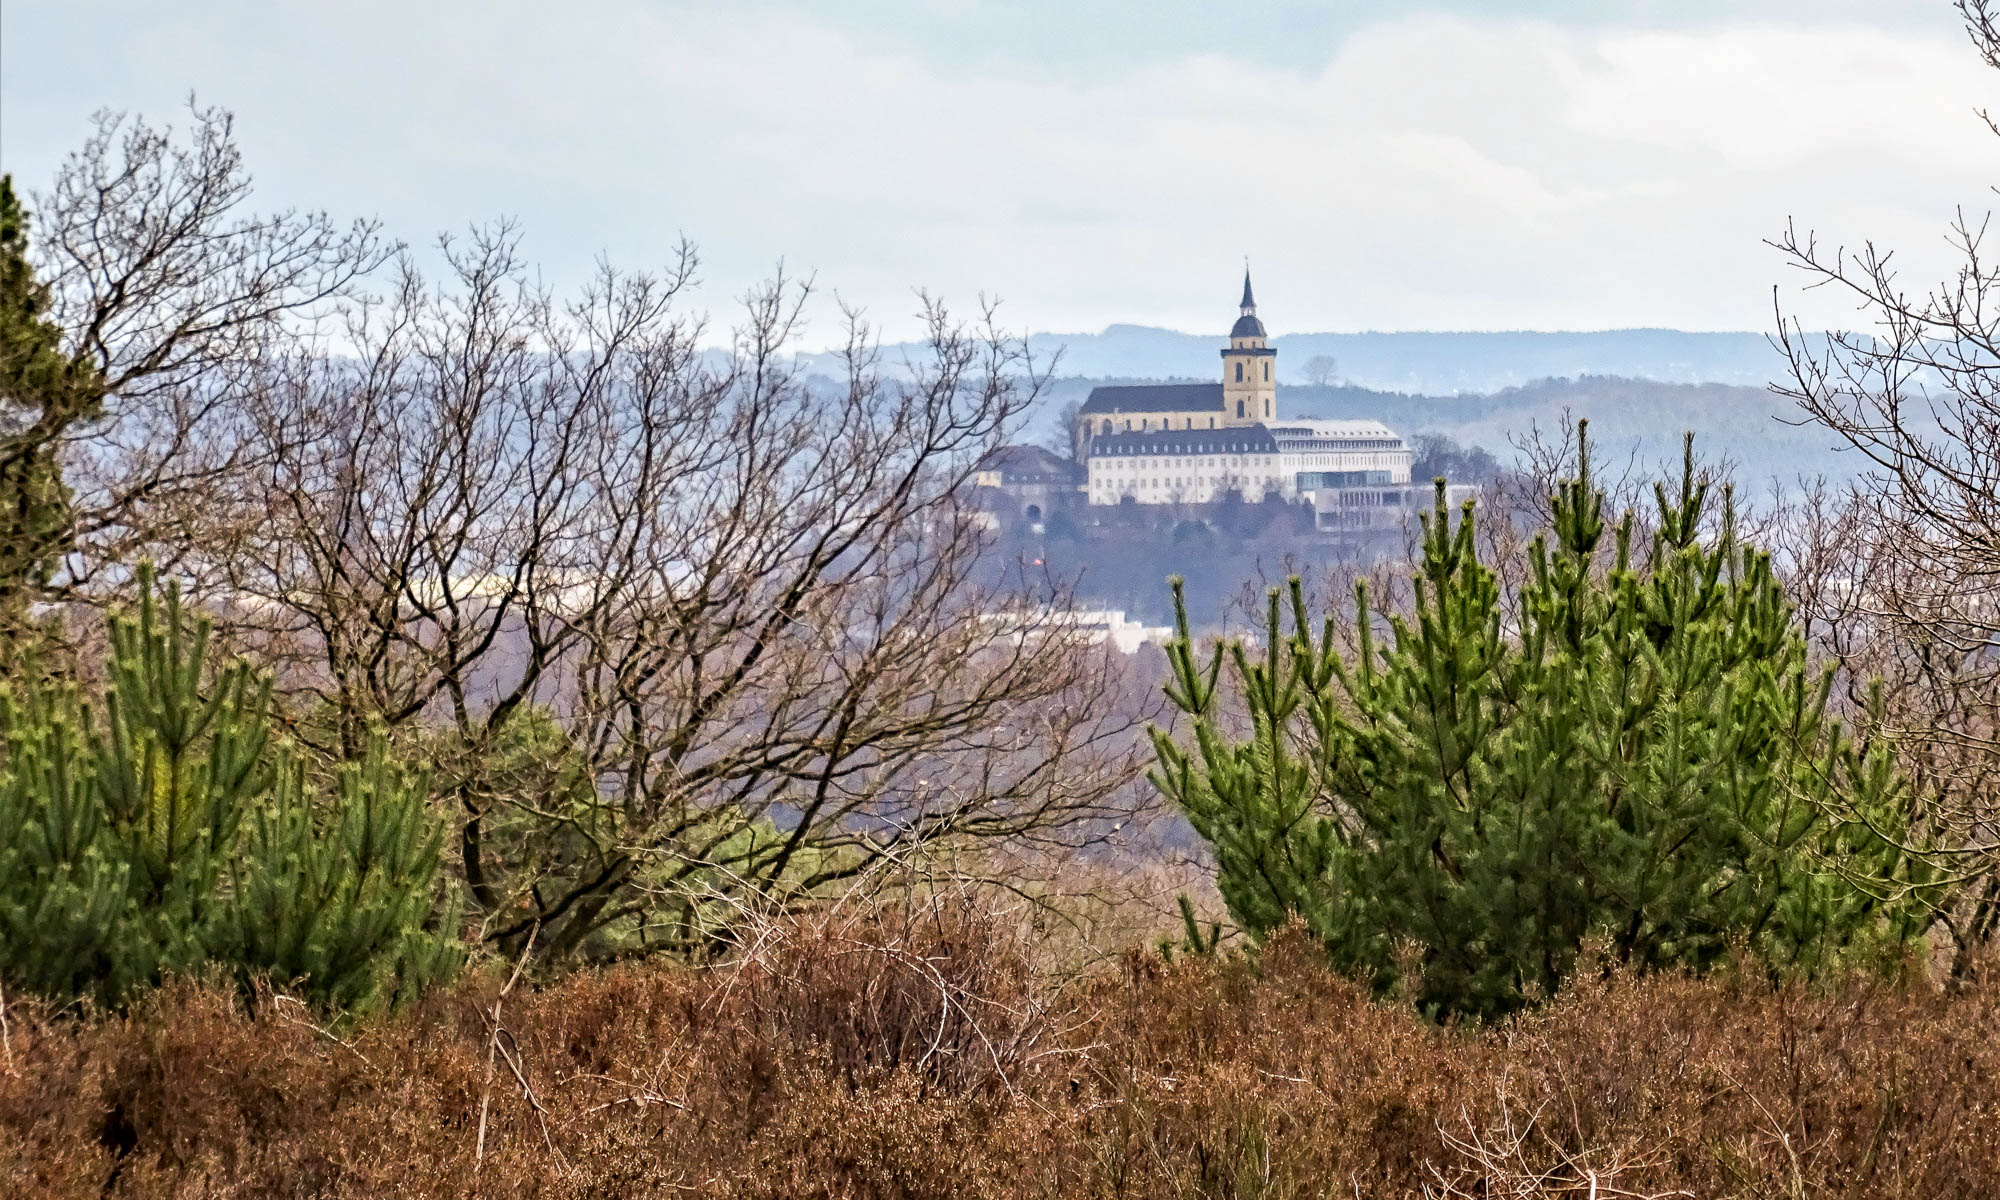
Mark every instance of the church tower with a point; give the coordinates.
(1249, 393)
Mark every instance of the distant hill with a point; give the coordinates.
(1430, 363)
(1756, 429)
(1437, 364)
(1636, 422)
(1750, 425)
(1640, 387)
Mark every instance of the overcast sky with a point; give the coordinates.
(1507, 164)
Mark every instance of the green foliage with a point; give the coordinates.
(43, 393)
(163, 832)
(1633, 751)
(1193, 939)
(538, 825)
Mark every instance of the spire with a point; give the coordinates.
(1249, 301)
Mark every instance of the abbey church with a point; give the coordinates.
(1247, 394)
(1198, 443)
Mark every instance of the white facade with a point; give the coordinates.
(1358, 509)
(1202, 476)
(1293, 460)
(1090, 627)
(1342, 447)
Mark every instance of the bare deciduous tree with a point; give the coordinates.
(1902, 574)
(1070, 437)
(672, 621)
(173, 289)
(1322, 370)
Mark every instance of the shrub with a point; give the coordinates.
(1210, 1077)
(1635, 751)
(160, 831)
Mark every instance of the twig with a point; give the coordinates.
(279, 1000)
(510, 1053)
(493, 1049)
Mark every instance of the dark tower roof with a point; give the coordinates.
(1247, 326)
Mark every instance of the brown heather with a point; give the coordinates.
(923, 1055)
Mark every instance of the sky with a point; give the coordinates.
(1507, 164)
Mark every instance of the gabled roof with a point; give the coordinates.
(1313, 427)
(1030, 464)
(1155, 397)
(1240, 439)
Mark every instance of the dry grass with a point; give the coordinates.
(920, 1052)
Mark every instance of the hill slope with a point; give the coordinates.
(1431, 363)
(1646, 417)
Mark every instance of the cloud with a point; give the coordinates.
(1768, 98)
(1433, 172)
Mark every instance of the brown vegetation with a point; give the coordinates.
(920, 1052)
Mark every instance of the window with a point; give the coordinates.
(1239, 372)
(1239, 408)
(1267, 372)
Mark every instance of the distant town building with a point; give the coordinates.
(1092, 627)
(1038, 481)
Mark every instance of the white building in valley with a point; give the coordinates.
(1089, 627)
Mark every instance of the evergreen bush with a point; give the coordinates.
(44, 392)
(1634, 751)
(161, 830)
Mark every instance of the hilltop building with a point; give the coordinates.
(1199, 443)
(1247, 394)
(1291, 461)
(1209, 443)
(1038, 481)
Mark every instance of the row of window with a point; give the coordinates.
(1185, 481)
(1189, 486)
(1163, 490)
(1295, 444)
(1110, 464)
(1319, 455)
(1230, 479)
(1145, 425)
